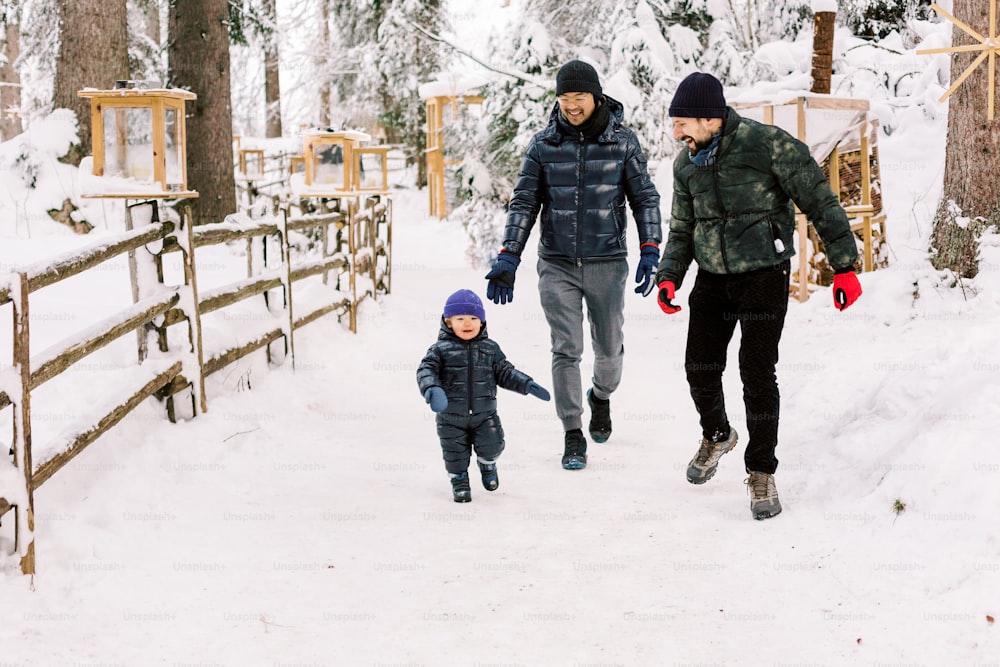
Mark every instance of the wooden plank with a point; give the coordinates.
(316, 221)
(307, 269)
(344, 305)
(222, 360)
(80, 442)
(128, 320)
(163, 194)
(59, 269)
(205, 235)
(5, 506)
(230, 294)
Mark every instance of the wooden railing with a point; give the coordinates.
(353, 258)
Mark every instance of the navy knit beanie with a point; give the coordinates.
(464, 302)
(577, 76)
(698, 96)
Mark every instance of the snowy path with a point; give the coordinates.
(308, 521)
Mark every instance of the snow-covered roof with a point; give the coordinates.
(452, 83)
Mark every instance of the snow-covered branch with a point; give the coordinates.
(515, 75)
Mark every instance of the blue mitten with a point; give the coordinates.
(500, 288)
(437, 399)
(538, 391)
(649, 258)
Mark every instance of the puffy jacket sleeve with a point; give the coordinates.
(643, 198)
(506, 375)
(526, 202)
(679, 251)
(429, 370)
(805, 183)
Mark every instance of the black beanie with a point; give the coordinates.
(698, 96)
(577, 76)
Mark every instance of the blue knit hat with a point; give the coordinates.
(698, 96)
(464, 302)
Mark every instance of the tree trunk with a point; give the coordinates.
(970, 201)
(93, 53)
(152, 16)
(822, 63)
(199, 61)
(10, 84)
(323, 66)
(272, 89)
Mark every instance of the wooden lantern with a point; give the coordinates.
(330, 160)
(139, 136)
(371, 169)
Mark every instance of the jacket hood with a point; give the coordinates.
(616, 111)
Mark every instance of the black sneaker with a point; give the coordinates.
(461, 492)
(575, 454)
(491, 481)
(600, 417)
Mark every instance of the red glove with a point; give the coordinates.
(665, 298)
(846, 289)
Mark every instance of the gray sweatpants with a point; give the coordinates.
(563, 288)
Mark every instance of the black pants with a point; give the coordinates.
(460, 434)
(758, 301)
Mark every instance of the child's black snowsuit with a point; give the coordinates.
(469, 373)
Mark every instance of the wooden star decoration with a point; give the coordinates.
(988, 45)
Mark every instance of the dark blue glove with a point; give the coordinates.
(437, 399)
(500, 288)
(649, 258)
(538, 391)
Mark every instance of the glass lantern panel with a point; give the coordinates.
(172, 148)
(128, 142)
(370, 170)
(328, 163)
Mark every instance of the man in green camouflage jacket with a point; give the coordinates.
(733, 214)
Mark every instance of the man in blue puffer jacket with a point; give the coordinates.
(578, 173)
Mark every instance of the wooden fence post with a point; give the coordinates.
(286, 251)
(24, 527)
(192, 309)
(352, 242)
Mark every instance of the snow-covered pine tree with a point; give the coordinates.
(513, 111)
(354, 34)
(874, 19)
(402, 60)
(146, 53)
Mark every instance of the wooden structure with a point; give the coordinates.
(354, 265)
(331, 163)
(248, 156)
(441, 110)
(989, 47)
(138, 135)
(842, 137)
(372, 169)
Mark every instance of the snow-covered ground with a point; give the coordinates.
(308, 519)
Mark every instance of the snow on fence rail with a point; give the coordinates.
(355, 249)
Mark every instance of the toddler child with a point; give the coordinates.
(458, 377)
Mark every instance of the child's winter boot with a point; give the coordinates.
(460, 490)
(488, 469)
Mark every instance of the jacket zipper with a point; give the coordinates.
(725, 214)
(468, 349)
(579, 202)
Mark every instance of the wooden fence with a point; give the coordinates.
(352, 253)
